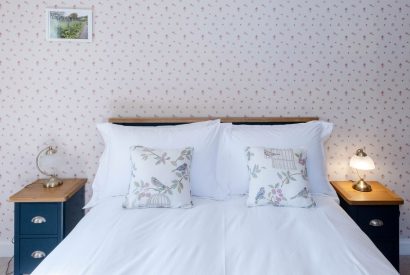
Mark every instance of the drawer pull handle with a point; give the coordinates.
(38, 254)
(376, 223)
(38, 219)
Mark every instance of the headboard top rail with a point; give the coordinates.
(153, 121)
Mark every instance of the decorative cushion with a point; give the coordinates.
(278, 177)
(159, 178)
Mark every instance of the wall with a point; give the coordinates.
(344, 61)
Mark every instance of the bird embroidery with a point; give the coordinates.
(302, 193)
(160, 185)
(269, 153)
(281, 158)
(260, 195)
(182, 168)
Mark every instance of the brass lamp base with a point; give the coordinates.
(362, 186)
(52, 182)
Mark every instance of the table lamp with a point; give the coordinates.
(53, 180)
(361, 161)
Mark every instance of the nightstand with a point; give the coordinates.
(376, 213)
(42, 219)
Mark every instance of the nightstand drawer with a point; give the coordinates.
(33, 251)
(379, 222)
(389, 249)
(39, 218)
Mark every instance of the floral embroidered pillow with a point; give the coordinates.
(278, 177)
(160, 178)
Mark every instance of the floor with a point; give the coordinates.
(404, 265)
(3, 265)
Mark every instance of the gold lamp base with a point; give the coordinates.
(52, 182)
(362, 186)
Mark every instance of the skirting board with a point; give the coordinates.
(404, 246)
(6, 248)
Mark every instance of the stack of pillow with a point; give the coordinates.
(280, 165)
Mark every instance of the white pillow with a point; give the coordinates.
(160, 178)
(278, 177)
(114, 172)
(231, 163)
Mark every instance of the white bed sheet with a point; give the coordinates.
(216, 237)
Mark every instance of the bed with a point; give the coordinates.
(216, 236)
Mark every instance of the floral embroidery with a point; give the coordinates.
(166, 189)
(255, 171)
(278, 177)
(276, 196)
(148, 152)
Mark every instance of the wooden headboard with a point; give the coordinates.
(155, 121)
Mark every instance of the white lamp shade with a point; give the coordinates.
(362, 163)
(51, 163)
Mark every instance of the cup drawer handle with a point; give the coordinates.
(38, 254)
(38, 219)
(376, 223)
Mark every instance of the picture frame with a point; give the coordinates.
(69, 25)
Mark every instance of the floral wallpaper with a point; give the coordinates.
(345, 61)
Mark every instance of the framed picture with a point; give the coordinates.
(69, 25)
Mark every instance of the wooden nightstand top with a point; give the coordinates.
(380, 195)
(35, 192)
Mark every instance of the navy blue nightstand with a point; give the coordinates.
(376, 213)
(42, 219)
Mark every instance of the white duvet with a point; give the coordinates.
(216, 237)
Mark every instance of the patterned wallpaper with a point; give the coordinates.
(345, 61)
